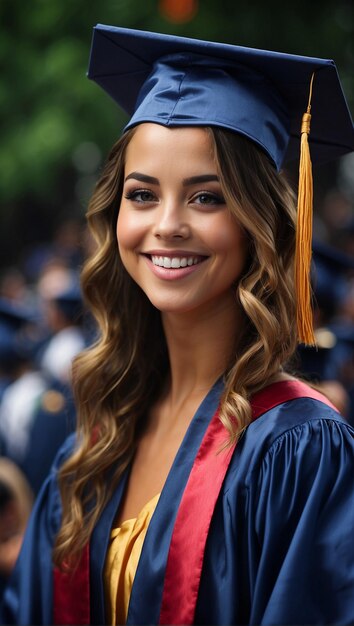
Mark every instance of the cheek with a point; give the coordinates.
(232, 244)
(228, 238)
(227, 241)
(129, 230)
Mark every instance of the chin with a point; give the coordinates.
(171, 308)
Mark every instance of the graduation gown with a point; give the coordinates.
(279, 549)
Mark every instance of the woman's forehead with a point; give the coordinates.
(153, 143)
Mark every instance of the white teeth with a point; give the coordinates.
(174, 262)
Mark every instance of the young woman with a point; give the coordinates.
(205, 484)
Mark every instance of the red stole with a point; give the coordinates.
(186, 553)
(71, 597)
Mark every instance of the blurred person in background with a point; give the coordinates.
(14, 287)
(21, 381)
(64, 249)
(9, 357)
(53, 419)
(36, 409)
(63, 316)
(337, 215)
(327, 364)
(18, 338)
(16, 501)
(54, 416)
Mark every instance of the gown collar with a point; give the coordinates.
(147, 589)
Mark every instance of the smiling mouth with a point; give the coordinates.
(176, 262)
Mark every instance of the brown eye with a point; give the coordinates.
(208, 198)
(140, 195)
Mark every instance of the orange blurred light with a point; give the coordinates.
(178, 10)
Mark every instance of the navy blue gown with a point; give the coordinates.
(280, 547)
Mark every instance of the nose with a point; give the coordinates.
(171, 222)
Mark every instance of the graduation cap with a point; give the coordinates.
(15, 315)
(266, 96)
(70, 302)
(13, 318)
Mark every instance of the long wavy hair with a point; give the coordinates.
(117, 380)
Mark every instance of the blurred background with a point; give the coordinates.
(56, 129)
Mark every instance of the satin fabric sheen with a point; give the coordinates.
(74, 592)
(280, 544)
(122, 561)
(182, 577)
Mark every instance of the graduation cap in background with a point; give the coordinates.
(14, 314)
(13, 346)
(70, 302)
(266, 96)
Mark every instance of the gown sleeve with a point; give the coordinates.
(304, 523)
(28, 598)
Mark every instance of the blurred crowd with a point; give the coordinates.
(330, 364)
(43, 325)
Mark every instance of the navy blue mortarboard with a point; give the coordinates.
(178, 81)
(13, 318)
(70, 302)
(268, 97)
(14, 314)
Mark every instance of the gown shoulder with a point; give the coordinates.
(295, 474)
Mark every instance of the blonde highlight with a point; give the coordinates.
(264, 205)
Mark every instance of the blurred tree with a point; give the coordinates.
(55, 124)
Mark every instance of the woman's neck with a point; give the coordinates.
(200, 345)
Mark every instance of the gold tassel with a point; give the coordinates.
(304, 235)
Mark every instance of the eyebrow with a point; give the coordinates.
(203, 178)
(193, 180)
(143, 178)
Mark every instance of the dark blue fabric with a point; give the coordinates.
(146, 594)
(280, 549)
(98, 549)
(179, 81)
(28, 598)
(280, 546)
(181, 86)
(49, 430)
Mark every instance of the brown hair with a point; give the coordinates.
(119, 377)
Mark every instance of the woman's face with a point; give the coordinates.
(177, 239)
